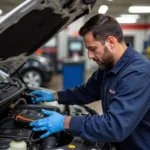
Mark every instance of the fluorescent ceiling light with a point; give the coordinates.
(110, 0)
(1, 11)
(126, 20)
(130, 16)
(139, 9)
(103, 9)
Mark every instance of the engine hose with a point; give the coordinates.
(17, 102)
(20, 100)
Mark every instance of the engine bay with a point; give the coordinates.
(17, 111)
(12, 128)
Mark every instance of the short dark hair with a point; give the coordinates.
(103, 26)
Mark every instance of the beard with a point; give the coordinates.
(108, 60)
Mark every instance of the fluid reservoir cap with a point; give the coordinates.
(71, 146)
(18, 139)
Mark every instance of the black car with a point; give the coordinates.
(33, 23)
(37, 71)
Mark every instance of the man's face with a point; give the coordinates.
(98, 52)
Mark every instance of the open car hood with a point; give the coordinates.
(27, 27)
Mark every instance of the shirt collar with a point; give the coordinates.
(124, 59)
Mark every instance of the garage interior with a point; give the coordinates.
(64, 62)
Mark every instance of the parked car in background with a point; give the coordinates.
(37, 71)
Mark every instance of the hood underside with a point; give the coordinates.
(31, 24)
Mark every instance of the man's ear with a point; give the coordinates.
(110, 42)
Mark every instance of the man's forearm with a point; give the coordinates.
(67, 122)
(55, 96)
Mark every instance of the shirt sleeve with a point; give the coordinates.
(83, 94)
(126, 110)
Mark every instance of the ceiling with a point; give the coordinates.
(116, 7)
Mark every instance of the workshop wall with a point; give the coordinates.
(140, 33)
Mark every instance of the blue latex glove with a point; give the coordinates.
(52, 124)
(42, 96)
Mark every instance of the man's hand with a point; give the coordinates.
(42, 96)
(52, 124)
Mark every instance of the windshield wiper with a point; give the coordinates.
(8, 83)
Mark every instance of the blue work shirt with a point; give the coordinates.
(125, 94)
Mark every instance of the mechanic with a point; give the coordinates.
(122, 82)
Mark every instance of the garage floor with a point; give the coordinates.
(56, 84)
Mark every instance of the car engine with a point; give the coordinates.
(17, 111)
